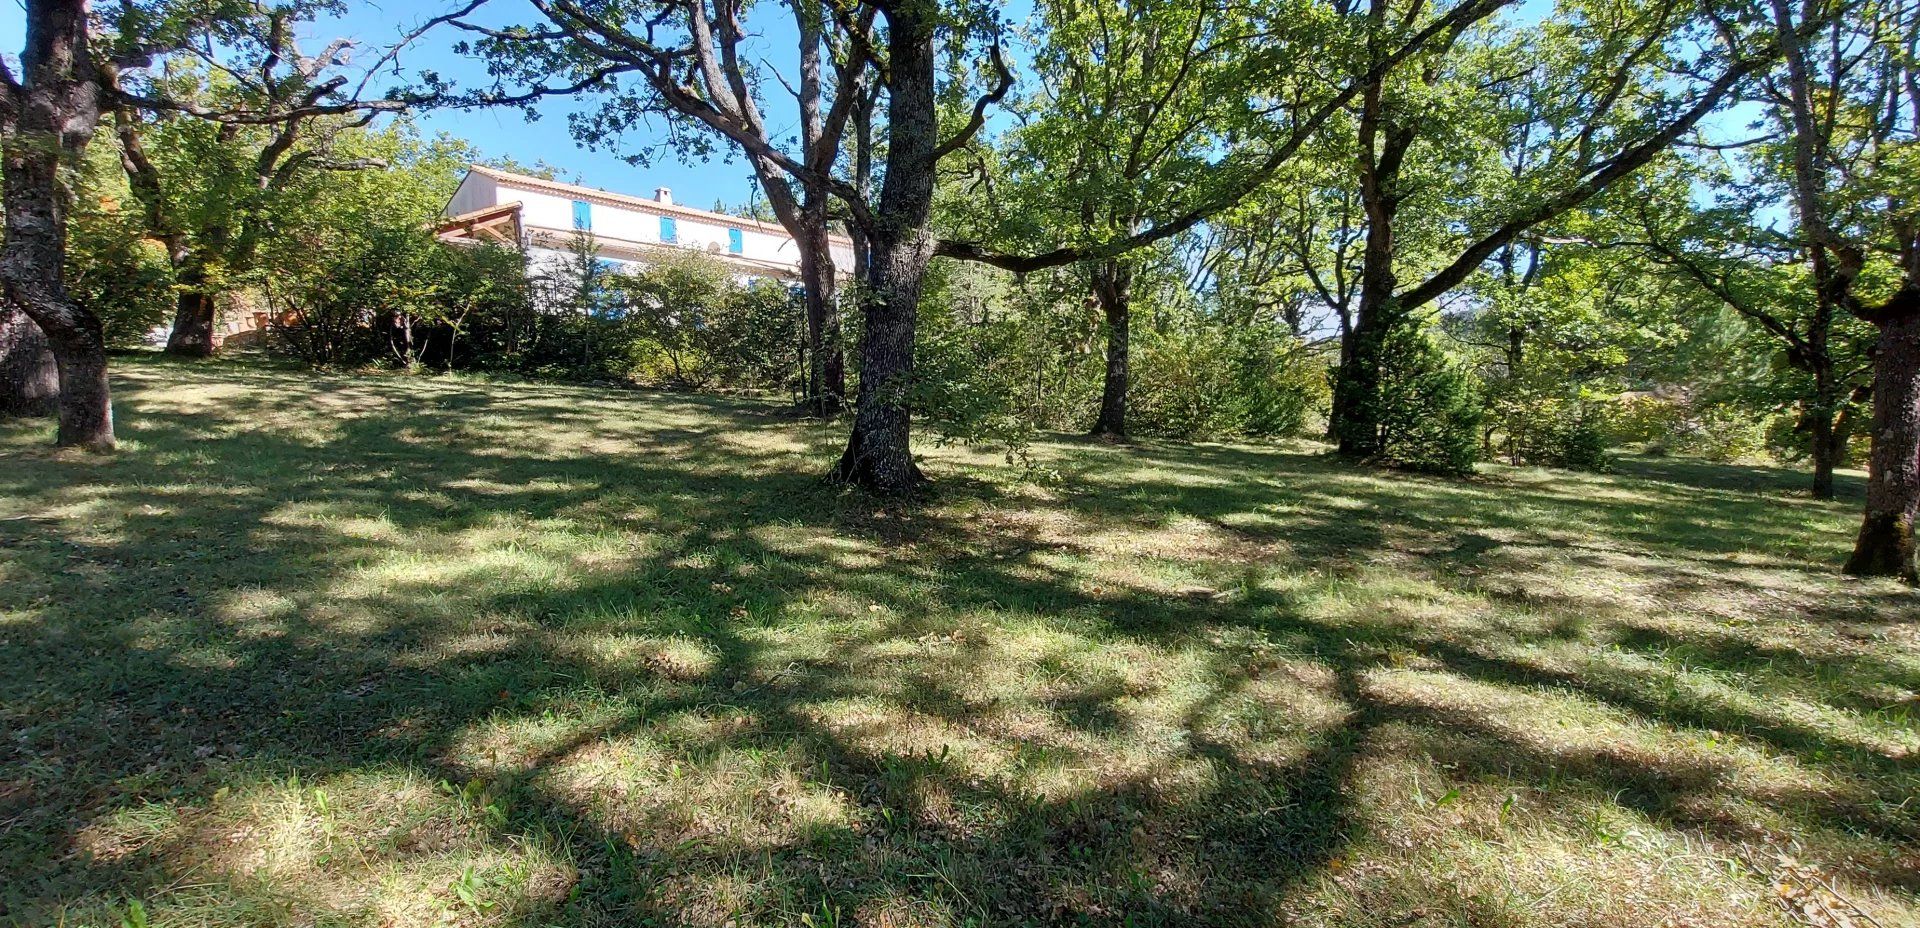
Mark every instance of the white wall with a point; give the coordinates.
(476, 191)
(541, 210)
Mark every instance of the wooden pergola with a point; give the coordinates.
(496, 224)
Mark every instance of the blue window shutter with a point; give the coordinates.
(736, 242)
(667, 232)
(582, 215)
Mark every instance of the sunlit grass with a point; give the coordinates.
(372, 651)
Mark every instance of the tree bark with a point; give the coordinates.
(1354, 419)
(804, 216)
(805, 219)
(50, 115)
(1113, 290)
(1826, 447)
(879, 455)
(1885, 547)
(29, 378)
(1356, 395)
(193, 316)
(1815, 355)
(193, 319)
(1819, 417)
(827, 366)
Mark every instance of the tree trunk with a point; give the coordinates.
(1885, 547)
(86, 405)
(54, 111)
(1825, 442)
(1113, 289)
(1356, 394)
(1827, 448)
(826, 366)
(1356, 415)
(193, 316)
(879, 455)
(1345, 318)
(29, 378)
(31, 267)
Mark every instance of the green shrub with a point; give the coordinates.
(1183, 384)
(1551, 430)
(1577, 440)
(690, 323)
(967, 384)
(1724, 434)
(1641, 418)
(393, 295)
(1429, 407)
(1196, 381)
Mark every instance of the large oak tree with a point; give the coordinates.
(217, 142)
(1591, 94)
(49, 112)
(1847, 95)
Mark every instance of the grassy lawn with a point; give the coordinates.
(389, 651)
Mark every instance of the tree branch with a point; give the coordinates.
(1003, 82)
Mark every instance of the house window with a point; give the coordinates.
(667, 231)
(606, 304)
(736, 242)
(582, 215)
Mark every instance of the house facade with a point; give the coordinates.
(546, 219)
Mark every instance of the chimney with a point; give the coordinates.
(663, 195)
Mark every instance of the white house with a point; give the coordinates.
(546, 218)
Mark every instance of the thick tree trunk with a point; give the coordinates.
(1885, 547)
(879, 455)
(1345, 318)
(1819, 419)
(1356, 415)
(1113, 290)
(193, 319)
(1356, 394)
(30, 267)
(53, 113)
(29, 377)
(86, 405)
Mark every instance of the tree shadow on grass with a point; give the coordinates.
(1850, 488)
(649, 633)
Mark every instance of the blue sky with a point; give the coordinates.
(506, 133)
(503, 132)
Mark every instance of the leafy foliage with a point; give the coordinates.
(113, 268)
(1429, 406)
(1199, 380)
(693, 323)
